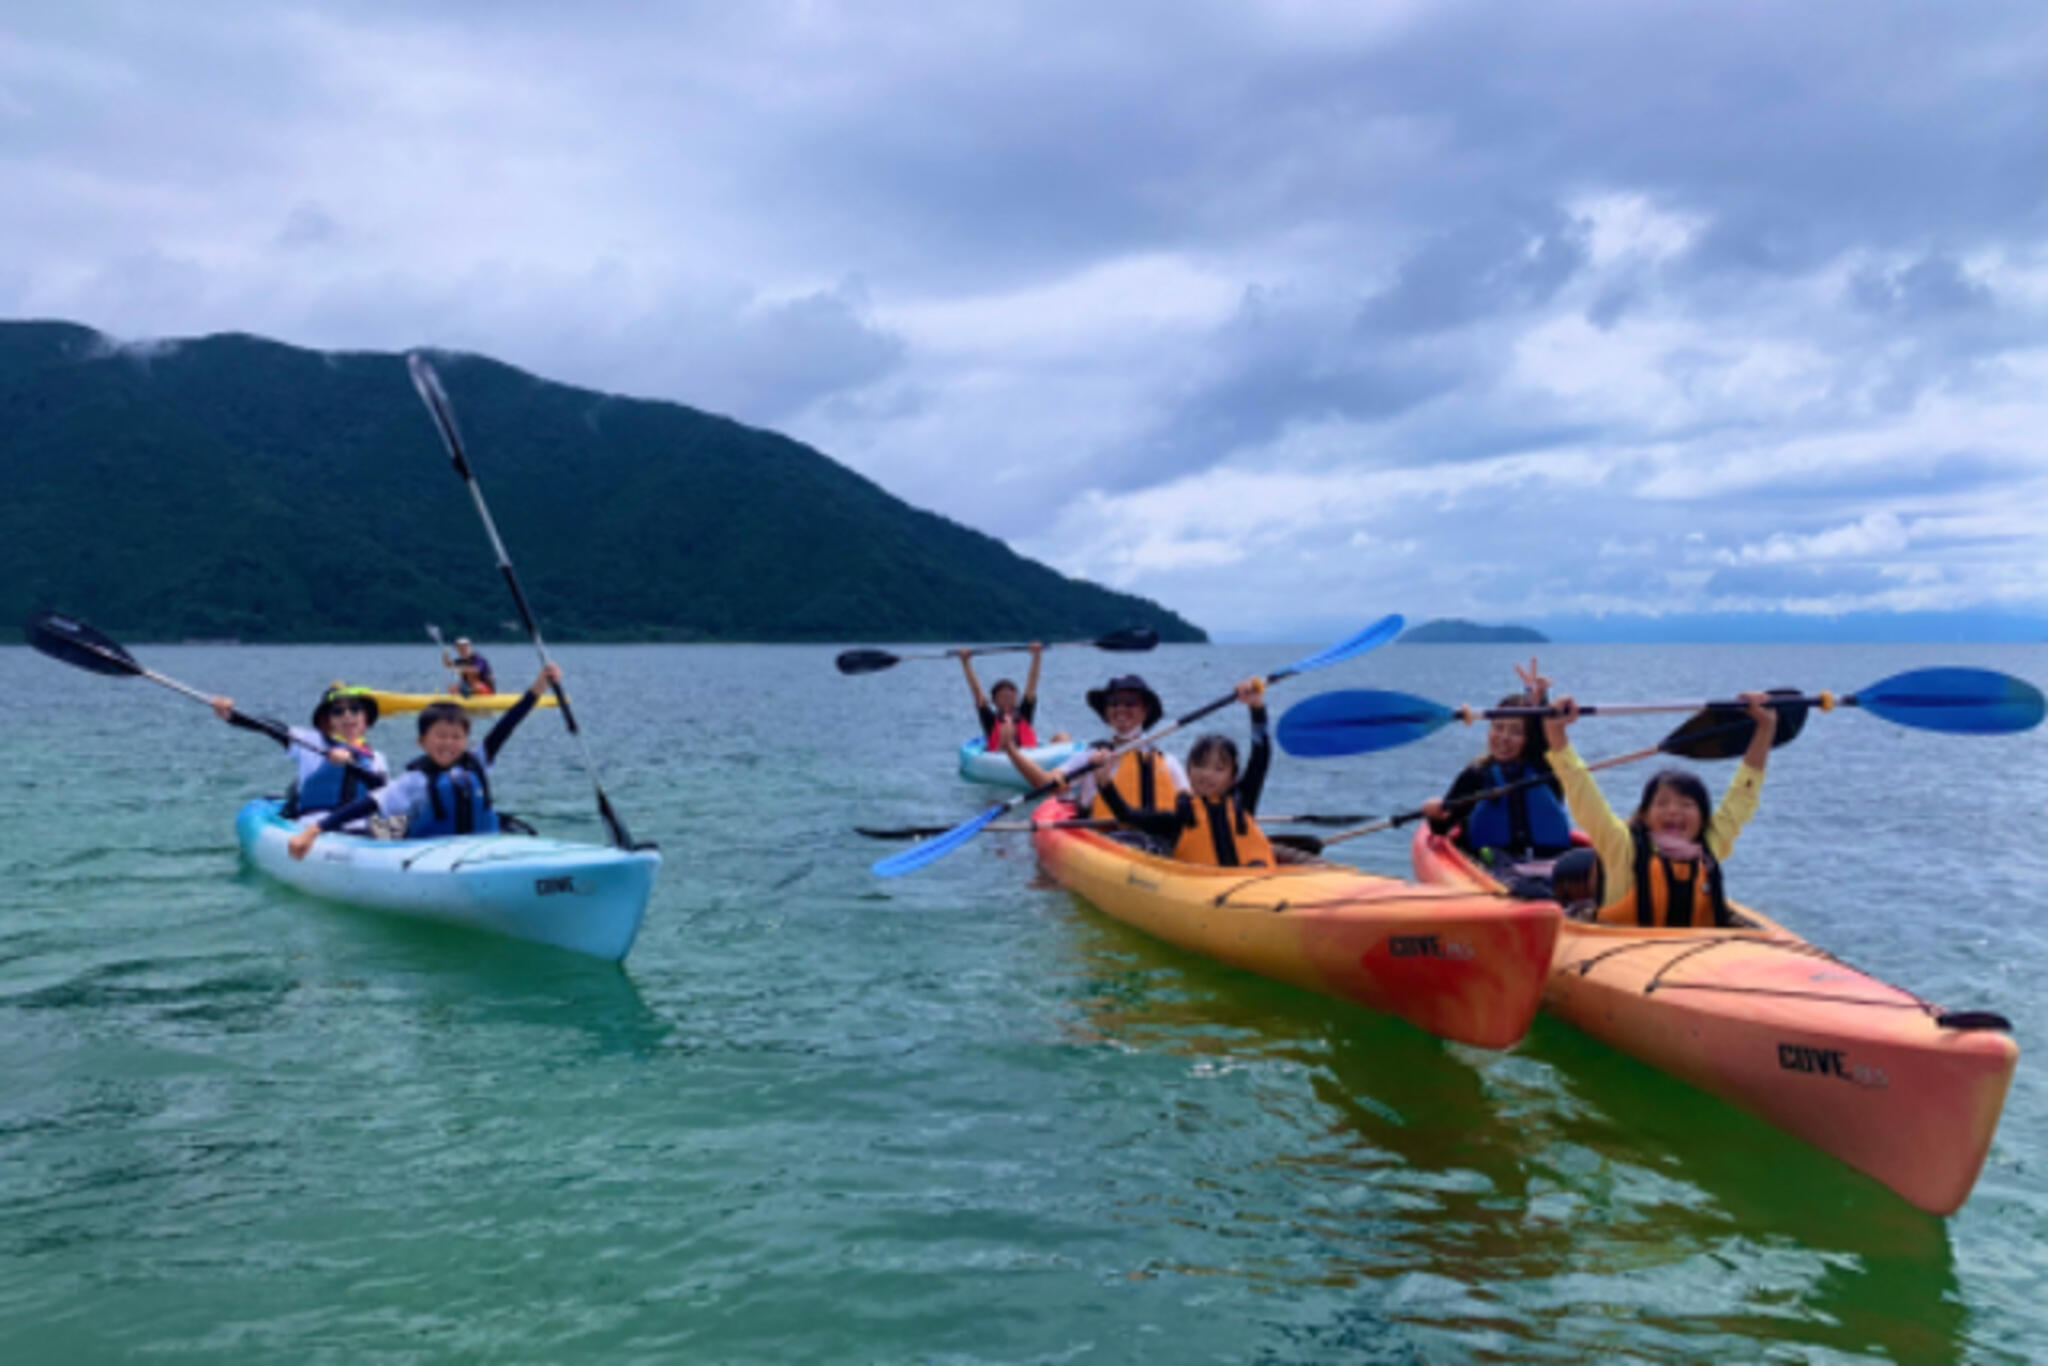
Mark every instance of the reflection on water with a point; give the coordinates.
(1560, 1197)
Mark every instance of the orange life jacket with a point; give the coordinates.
(1220, 834)
(1143, 780)
(1669, 894)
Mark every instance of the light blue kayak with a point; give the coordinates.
(977, 765)
(582, 897)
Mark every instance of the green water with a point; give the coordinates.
(957, 1117)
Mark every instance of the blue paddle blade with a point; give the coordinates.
(1371, 638)
(931, 851)
(1358, 721)
(1957, 701)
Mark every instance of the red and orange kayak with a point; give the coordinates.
(1466, 965)
(1864, 1071)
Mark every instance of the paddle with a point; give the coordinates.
(922, 832)
(1954, 701)
(1130, 640)
(72, 642)
(910, 860)
(1709, 735)
(436, 398)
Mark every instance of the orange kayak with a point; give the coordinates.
(1864, 1071)
(1465, 965)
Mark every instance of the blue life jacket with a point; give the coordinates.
(333, 785)
(458, 800)
(1530, 819)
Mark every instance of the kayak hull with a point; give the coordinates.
(579, 897)
(394, 703)
(1858, 1068)
(977, 765)
(1466, 966)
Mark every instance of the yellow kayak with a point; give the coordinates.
(390, 703)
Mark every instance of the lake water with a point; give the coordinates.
(957, 1117)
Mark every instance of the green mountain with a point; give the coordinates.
(1453, 631)
(234, 487)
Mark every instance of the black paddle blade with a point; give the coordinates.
(865, 661)
(1130, 640)
(904, 832)
(77, 644)
(1718, 734)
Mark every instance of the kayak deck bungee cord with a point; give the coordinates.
(1867, 1072)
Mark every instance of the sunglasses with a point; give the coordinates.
(1136, 703)
(343, 708)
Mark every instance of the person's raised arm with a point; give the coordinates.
(1031, 679)
(973, 683)
(1766, 717)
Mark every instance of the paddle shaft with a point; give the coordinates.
(919, 832)
(282, 733)
(429, 386)
(1826, 701)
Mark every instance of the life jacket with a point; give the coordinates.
(1220, 834)
(458, 800)
(1530, 819)
(1027, 738)
(1142, 779)
(1668, 894)
(335, 785)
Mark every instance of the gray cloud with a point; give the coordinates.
(1111, 257)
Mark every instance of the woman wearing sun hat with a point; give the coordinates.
(1144, 777)
(336, 764)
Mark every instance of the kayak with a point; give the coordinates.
(977, 765)
(574, 896)
(1862, 1070)
(391, 703)
(1465, 965)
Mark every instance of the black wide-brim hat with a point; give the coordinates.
(335, 693)
(1098, 698)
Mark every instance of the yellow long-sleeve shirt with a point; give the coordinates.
(1610, 834)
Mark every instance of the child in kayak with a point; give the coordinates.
(335, 762)
(1662, 866)
(1002, 702)
(1212, 823)
(1146, 778)
(1528, 824)
(447, 790)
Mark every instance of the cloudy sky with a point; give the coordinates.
(1283, 313)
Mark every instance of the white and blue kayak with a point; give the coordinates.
(581, 897)
(977, 765)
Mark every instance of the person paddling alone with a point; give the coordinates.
(476, 679)
(447, 790)
(1002, 703)
(335, 762)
